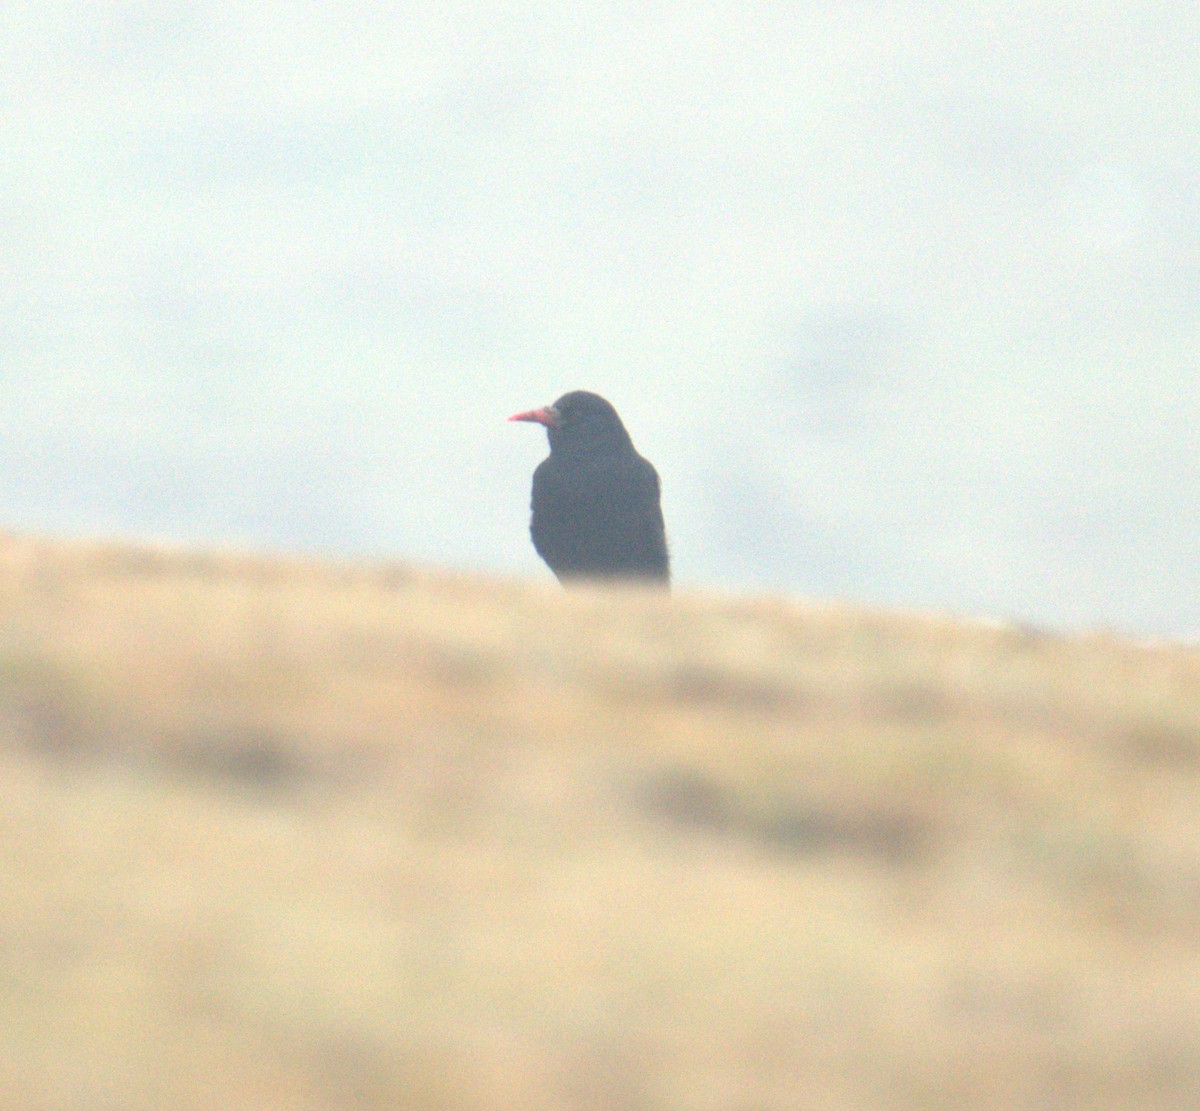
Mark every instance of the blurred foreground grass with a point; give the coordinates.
(283, 834)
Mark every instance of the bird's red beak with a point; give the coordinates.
(547, 416)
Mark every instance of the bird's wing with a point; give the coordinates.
(649, 531)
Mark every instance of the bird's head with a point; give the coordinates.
(579, 420)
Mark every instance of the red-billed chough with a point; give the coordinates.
(596, 510)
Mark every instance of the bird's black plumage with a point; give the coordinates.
(596, 503)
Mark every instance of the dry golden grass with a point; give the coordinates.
(289, 835)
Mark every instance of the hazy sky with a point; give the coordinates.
(902, 299)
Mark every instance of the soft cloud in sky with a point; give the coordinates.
(904, 302)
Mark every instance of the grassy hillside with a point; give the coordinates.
(290, 835)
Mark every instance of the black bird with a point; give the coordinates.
(596, 508)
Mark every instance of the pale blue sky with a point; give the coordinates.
(903, 302)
